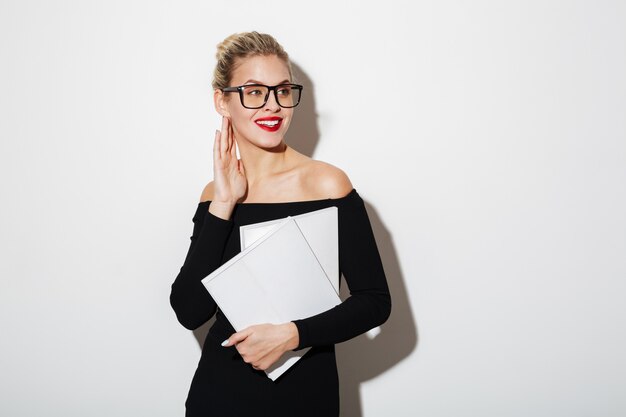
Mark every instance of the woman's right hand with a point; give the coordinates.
(229, 176)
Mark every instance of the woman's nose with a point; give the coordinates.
(272, 104)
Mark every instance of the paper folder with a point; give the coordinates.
(320, 229)
(275, 279)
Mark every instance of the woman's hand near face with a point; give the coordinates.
(229, 177)
(263, 344)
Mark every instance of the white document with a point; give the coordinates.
(320, 229)
(276, 279)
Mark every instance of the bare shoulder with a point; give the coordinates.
(327, 180)
(207, 193)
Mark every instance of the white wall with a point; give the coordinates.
(487, 137)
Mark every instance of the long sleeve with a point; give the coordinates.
(189, 298)
(369, 304)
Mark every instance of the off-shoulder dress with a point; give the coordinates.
(223, 384)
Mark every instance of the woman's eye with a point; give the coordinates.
(255, 92)
(284, 91)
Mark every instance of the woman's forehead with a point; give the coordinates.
(269, 70)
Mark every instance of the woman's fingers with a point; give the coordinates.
(231, 137)
(230, 184)
(216, 146)
(237, 337)
(224, 136)
(233, 147)
(241, 168)
(256, 345)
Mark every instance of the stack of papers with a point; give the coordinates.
(287, 270)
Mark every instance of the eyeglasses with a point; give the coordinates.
(254, 96)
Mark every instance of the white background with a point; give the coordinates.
(488, 139)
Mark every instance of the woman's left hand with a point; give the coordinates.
(263, 344)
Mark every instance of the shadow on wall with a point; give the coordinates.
(303, 133)
(361, 358)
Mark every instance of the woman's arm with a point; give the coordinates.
(189, 298)
(212, 226)
(369, 304)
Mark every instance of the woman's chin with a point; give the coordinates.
(272, 145)
(272, 142)
(277, 148)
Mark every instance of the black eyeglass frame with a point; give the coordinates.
(240, 88)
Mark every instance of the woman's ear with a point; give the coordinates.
(219, 99)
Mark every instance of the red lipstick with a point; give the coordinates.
(270, 124)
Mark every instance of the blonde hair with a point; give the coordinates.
(242, 45)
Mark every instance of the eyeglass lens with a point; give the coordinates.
(255, 95)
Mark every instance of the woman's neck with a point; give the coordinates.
(261, 164)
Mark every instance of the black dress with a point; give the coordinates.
(223, 384)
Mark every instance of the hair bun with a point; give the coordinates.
(242, 45)
(223, 46)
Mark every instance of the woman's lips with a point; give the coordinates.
(270, 124)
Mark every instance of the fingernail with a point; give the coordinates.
(225, 342)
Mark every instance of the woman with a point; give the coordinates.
(253, 92)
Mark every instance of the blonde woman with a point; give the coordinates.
(255, 93)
